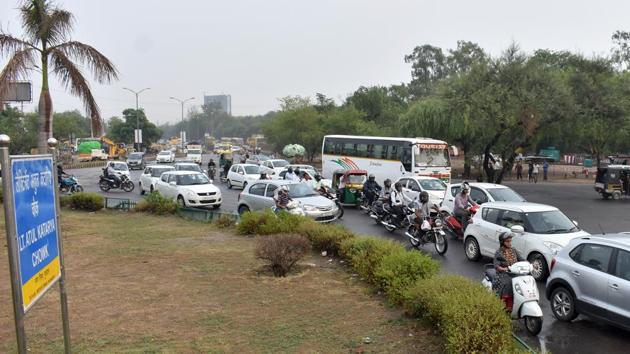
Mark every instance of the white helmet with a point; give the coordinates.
(465, 187)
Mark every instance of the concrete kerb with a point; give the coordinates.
(88, 164)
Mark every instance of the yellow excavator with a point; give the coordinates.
(114, 150)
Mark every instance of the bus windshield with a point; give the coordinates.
(431, 157)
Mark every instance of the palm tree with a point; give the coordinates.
(47, 31)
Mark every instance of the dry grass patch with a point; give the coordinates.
(142, 283)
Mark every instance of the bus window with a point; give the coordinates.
(380, 151)
(406, 158)
(329, 147)
(394, 152)
(362, 150)
(370, 151)
(349, 149)
(338, 148)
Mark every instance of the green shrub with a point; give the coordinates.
(366, 253)
(400, 269)
(471, 319)
(157, 204)
(1, 196)
(267, 223)
(325, 237)
(224, 221)
(86, 201)
(64, 200)
(281, 251)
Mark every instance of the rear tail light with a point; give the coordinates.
(553, 263)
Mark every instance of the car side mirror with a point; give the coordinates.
(172, 184)
(575, 223)
(517, 229)
(240, 172)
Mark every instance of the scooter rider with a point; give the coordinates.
(503, 258)
(318, 185)
(371, 188)
(397, 201)
(461, 205)
(110, 172)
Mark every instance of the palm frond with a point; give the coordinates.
(72, 78)
(43, 22)
(32, 13)
(10, 44)
(57, 26)
(103, 69)
(16, 68)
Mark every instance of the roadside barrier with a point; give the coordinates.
(87, 164)
(119, 204)
(204, 215)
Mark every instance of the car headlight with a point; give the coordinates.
(553, 247)
(309, 207)
(191, 194)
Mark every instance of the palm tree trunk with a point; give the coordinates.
(45, 111)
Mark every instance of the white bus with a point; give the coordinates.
(386, 157)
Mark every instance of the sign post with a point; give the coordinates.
(33, 238)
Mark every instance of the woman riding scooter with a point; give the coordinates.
(503, 258)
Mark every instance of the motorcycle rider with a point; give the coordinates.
(461, 205)
(60, 173)
(503, 258)
(318, 186)
(371, 188)
(282, 199)
(396, 201)
(111, 173)
(211, 167)
(422, 208)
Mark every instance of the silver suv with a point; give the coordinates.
(591, 276)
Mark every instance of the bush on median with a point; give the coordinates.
(472, 319)
(400, 269)
(325, 237)
(84, 201)
(266, 222)
(281, 251)
(157, 204)
(366, 254)
(224, 221)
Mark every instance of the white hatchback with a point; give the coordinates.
(150, 177)
(189, 189)
(242, 174)
(165, 156)
(481, 193)
(541, 232)
(413, 186)
(274, 166)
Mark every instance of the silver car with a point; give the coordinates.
(591, 276)
(259, 195)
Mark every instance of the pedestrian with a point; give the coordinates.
(519, 170)
(535, 172)
(545, 169)
(530, 171)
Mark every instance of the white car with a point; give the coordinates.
(120, 167)
(242, 174)
(189, 189)
(481, 193)
(274, 166)
(541, 232)
(165, 156)
(414, 185)
(187, 166)
(150, 177)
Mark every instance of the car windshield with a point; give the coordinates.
(135, 156)
(505, 195)
(252, 170)
(120, 166)
(157, 172)
(194, 152)
(164, 153)
(432, 185)
(300, 190)
(261, 158)
(550, 222)
(279, 163)
(432, 157)
(191, 167)
(192, 179)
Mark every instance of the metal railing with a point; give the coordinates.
(204, 215)
(119, 204)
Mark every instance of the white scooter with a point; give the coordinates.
(526, 296)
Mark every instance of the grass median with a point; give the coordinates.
(142, 283)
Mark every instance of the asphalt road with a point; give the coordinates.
(578, 201)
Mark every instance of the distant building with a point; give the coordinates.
(222, 103)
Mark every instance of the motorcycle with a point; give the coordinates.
(105, 183)
(524, 301)
(430, 231)
(391, 224)
(211, 172)
(70, 183)
(326, 192)
(378, 210)
(453, 225)
(365, 205)
(293, 207)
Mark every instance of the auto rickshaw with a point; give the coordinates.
(225, 159)
(612, 181)
(352, 194)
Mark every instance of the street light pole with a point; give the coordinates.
(181, 133)
(137, 93)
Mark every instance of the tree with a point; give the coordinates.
(381, 106)
(122, 130)
(620, 54)
(70, 123)
(47, 30)
(302, 125)
(428, 65)
(21, 128)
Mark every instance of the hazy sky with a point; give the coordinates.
(258, 51)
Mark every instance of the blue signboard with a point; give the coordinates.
(36, 224)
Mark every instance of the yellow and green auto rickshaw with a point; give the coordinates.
(349, 186)
(612, 181)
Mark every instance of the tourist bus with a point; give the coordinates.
(386, 157)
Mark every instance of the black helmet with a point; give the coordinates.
(318, 177)
(388, 183)
(290, 170)
(505, 236)
(297, 171)
(371, 177)
(424, 196)
(398, 186)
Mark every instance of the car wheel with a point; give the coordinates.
(216, 206)
(141, 189)
(151, 189)
(471, 247)
(540, 271)
(563, 304)
(243, 209)
(181, 202)
(229, 184)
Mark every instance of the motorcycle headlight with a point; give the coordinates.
(518, 289)
(438, 222)
(553, 247)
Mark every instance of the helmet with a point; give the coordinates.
(371, 177)
(398, 186)
(318, 177)
(505, 236)
(290, 170)
(388, 183)
(284, 189)
(424, 196)
(297, 171)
